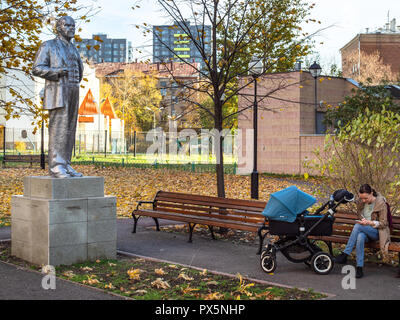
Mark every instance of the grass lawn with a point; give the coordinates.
(149, 280)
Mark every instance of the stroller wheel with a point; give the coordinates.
(316, 249)
(322, 263)
(268, 263)
(268, 250)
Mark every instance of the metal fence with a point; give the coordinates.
(229, 168)
(194, 149)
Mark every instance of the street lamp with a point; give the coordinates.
(256, 68)
(315, 70)
(154, 116)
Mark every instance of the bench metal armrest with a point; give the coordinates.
(140, 203)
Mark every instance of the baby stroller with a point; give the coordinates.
(288, 218)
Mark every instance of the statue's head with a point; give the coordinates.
(65, 27)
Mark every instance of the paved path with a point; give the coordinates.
(221, 256)
(18, 284)
(379, 282)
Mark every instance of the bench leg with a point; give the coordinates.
(157, 225)
(135, 220)
(329, 244)
(191, 228)
(212, 232)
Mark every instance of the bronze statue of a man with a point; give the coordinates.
(58, 62)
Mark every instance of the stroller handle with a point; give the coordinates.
(333, 204)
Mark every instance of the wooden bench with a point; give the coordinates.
(205, 210)
(24, 158)
(343, 225)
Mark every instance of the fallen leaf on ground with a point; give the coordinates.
(91, 279)
(214, 296)
(184, 276)
(109, 286)
(159, 283)
(134, 274)
(160, 271)
(86, 269)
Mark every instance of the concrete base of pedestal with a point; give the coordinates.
(63, 221)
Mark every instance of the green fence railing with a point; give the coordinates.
(190, 167)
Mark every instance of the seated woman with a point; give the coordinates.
(371, 226)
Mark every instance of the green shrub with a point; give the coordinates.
(366, 150)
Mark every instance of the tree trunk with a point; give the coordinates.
(220, 171)
(220, 159)
(219, 150)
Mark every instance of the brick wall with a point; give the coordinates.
(388, 45)
(308, 145)
(284, 116)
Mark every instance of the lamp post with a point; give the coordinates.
(154, 116)
(315, 70)
(256, 68)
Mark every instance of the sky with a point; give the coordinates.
(345, 19)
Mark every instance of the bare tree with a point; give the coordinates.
(239, 30)
(368, 68)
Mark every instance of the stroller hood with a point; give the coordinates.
(286, 204)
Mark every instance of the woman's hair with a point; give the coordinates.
(366, 188)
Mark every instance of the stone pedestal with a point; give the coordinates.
(63, 221)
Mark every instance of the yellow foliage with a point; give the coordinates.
(130, 94)
(21, 25)
(20, 146)
(134, 274)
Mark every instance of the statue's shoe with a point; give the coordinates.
(61, 175)
(59, 172)
(72, 172)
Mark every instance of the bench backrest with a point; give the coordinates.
(248, 211)
(25, 157)
(344, 223)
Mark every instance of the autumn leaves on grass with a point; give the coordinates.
(130, 185)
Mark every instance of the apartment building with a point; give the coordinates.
(101, 49)
(171, 43)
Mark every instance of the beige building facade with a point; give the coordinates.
(287, 134)
(387, 45)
